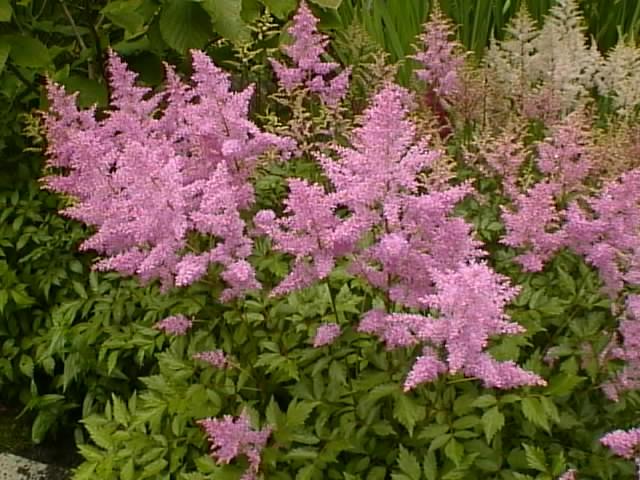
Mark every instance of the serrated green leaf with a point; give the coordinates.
(536, 458)
(298, 412)
(154, 468)
(492, 422)
(563, 384)
(120, 413)
(534, 412)
(184, 25)
(484, 401)
(454, 450)
(128, 472)
(430, 466)
(407, 411)
(408, 464)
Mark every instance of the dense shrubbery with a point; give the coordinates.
(356, 280)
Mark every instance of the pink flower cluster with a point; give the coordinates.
(326, 334)
(215, 358)
(231, 437)
(158, 167)
(174, 325)
(623, 443)
(309, 70)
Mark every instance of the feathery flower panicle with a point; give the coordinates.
(215, 358)
(385, 157)
(618, 77)
(623, 443)
(309, 70)
(174, 325)
(564, 157)
(470, 301)
(231, 437)
(312, 233)
(158, 167)
(535, 226)
(440, 60)
(326, 334)
(608, 235)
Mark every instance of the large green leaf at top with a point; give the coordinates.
(280, 8)
(184, 25)
(5, 11)
(27, 51)
(328, 3)
(225, 15)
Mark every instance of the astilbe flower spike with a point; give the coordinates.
(231, 437)
(569, 475)
(623, 443)
(158, 167)
(326, 334)
(174, 325)
(215, 358)
(305, 53)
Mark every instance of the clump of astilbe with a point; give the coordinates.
(403, 241)
(606, 232)
(470, 301)
(309, 70)
(618, 77)
(231, 437)
(536, 222)
(625, 444)
(158, 167)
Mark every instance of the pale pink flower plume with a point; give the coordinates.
(326, 334)
(231, 437)
(174, 325)
(215, 358)
(623, 443)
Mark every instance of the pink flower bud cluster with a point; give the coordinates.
(175, 325)
(623, 443)
(309, 70)
(215, 358)
(157, 168)
(326, 334)
(231, 437)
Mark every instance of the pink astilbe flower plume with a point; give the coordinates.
(440, 62)
(175, 325)
(326, 334)
(623, 443)
(159, 167)
(470, 301)
(231, 437)
(308, 69)
(215, 358)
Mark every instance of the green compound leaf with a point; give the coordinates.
(492, 423)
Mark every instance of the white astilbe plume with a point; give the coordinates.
(619, 77)
(511, 60)
(563, 61)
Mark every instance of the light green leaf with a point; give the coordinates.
(430, 466)
(26, 365)
(492, 422)
(408, 464)
(534, 412)
(5, 11)
(27, 51)
(184, 25)
(535, 458)
(454, 450)
(408, 412)
(225, 15)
